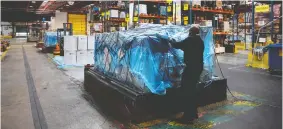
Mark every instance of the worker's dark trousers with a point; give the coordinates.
(190, 78)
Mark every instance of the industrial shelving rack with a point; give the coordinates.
(197, 14)
(241, 25)
(104, 15)
(155, 16)
(253, 24)
(113, 22)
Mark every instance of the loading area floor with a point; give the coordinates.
(36, 94)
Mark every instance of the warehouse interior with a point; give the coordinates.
(114, 65)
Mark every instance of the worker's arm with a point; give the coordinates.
(177, 45)
(172, 42)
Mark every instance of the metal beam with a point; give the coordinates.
(253, 24)
(271, 19)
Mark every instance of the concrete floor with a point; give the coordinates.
(35, 94)
(61, 100)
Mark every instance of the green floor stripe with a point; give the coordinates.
(210, 115)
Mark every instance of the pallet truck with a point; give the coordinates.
(67, 27)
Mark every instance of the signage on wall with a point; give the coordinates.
(169, 9)
(262, 8)
(186, 6)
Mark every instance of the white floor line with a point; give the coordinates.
(236, 67)
(257, 73)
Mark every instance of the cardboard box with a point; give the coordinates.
(70, 43)
(82, 42)
(82, 57)
(70, 57)
(226, 26)
(90, 42)
(141, 9)
(208, 22)
(196, 2)
(90, 57)
(222, 50)
(114, 13)
(122, 28)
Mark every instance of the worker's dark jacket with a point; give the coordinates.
(193, 48)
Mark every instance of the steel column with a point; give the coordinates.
(253, 24)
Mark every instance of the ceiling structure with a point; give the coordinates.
(35, 10)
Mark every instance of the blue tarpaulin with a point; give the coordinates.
(59, 60)
(50, 39)
(139, 57)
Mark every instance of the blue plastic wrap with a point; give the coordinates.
(163, 10)
(50, 39)
(140, 59)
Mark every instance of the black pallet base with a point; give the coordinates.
(125, 104)
(48, 49)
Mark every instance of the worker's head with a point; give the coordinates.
(194, 30)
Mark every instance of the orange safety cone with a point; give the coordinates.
(56, 51)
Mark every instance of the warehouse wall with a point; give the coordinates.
(60, 18)
(53, 24)
(6, 28)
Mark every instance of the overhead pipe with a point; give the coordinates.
(47, 5)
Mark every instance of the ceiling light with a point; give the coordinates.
(31, 6)
(71, 2)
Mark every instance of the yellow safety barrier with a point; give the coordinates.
(239, 46)
(257, 60)
(6, 37)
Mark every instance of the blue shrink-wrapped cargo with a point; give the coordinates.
(140, 59)
(50, 39)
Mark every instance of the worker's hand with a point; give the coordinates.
(171, 40)
(162, 37)
(169, 44)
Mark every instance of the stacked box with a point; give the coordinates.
(90, 56)
(82, 43)
(70, 57)
(82, 57)
(70, 50)
(90, 49)
(114, 13)
(82, 50)
(70, 43)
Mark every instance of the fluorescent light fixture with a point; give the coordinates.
(30, 6)
(71, 2)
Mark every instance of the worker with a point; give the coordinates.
(193, 48)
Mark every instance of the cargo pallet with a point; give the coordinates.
(127, 104)
(47, 49)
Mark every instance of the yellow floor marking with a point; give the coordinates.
(3, 55)
(151, 123)
(245, 103)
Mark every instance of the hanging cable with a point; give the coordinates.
(236, 98)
